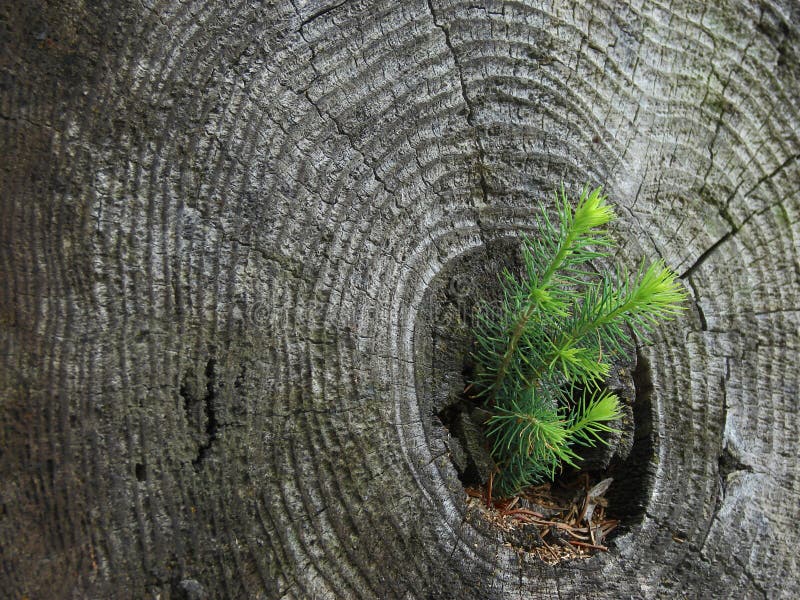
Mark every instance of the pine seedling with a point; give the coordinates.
(543, 354)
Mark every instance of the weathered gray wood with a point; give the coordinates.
(219, 222)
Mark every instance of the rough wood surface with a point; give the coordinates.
(219, 222)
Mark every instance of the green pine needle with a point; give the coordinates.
(556, 330)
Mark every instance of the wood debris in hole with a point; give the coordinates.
(554, 522)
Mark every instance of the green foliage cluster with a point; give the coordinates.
(543, 354)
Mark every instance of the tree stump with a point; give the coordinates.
(221, 222)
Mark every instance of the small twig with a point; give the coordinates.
(586, 501)
(608, 526)
(577, 536)
(556, 524)
(544, 533)
(550, 549)
(525, 511)
(585, 545)
(571, 514)
(506, 510)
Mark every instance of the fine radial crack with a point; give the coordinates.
(327, 115)
(771, 174)
(470, 108)
(727, 236)
(700, 312)
(708, 252)
(321, 12)
(349, 137)
(448, 42)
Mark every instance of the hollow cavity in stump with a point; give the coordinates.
(444, 370)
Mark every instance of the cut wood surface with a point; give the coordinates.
(223, 226)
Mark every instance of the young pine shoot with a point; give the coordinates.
(544, 353)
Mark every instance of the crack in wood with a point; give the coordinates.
(320, 13)
(484, 187)
(201, 412)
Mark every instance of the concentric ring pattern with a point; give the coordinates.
(211, 376)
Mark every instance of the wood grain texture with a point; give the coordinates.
(219, 222)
